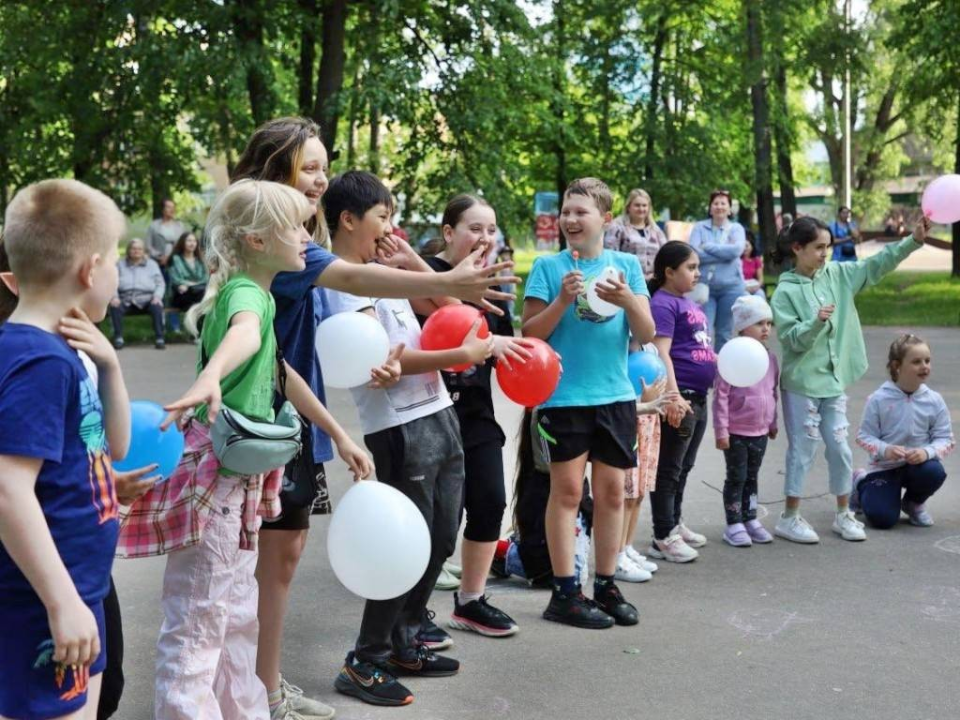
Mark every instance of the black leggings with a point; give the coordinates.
(678, 453)
(484, 496)
(112, 682)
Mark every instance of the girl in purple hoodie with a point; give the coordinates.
(743, 419)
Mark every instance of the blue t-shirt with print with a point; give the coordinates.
(301, 307)
(50, 411)
(593, 347)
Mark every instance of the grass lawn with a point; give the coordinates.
(914, 299)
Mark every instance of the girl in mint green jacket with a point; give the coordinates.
(823, 353)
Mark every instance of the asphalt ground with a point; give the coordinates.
(835, 630)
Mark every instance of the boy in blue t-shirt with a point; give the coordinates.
(58, 504)
(592, 415)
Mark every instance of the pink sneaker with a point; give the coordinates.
(736, 536)
(758, 533)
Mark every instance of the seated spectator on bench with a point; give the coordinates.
(188, 274)
(139, 292)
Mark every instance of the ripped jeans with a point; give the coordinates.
(808, 421)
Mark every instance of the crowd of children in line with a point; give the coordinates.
(233, 541)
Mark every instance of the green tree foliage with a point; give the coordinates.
(490, 96)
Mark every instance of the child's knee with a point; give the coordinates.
(884, 518)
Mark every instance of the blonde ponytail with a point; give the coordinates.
(248, 207)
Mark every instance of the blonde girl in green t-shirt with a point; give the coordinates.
(207, 520)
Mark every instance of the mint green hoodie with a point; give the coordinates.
(821, 359)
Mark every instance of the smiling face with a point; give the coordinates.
(288, 250)
(684, 278)
(639, 211)
(477, 224)
(812, 256)
(582, 223)
(915, 369)
(367, 231)
(311, 175)
(190, 244)
(720, 209)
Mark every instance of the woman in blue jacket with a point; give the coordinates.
(719, 241)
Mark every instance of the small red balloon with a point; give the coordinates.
(533, 382)
(446, 328)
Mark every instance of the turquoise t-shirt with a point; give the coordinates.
(593, 347)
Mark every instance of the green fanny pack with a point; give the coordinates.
(252, 447)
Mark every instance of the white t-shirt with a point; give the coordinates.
(415, 396)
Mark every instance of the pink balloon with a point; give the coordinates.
(941, 199)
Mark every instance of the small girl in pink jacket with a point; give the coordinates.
(743, 419)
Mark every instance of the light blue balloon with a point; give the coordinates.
(646, 366)
(148, 445)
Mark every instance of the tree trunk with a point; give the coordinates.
(248, 26)
(374, 137)
(650, 121)
(762, 149)
(326, 109)
(866, 175)
(781, 131)
(956, 226)
(308, 55)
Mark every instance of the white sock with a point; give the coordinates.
(469, 597)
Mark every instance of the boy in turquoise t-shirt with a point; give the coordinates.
(592, 414)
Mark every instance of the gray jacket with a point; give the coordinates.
(139, 284)
(891, 417)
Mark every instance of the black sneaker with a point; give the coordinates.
(577, 610)
(160, 344)
(424, 663)
(612, 602)
(118, 343)
(431, 636)
(479, 616)
(370, 683)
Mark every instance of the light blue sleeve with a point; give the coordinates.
(942, 441)
(699, 237)
(732, 250)
(634, 275)
(538, 282)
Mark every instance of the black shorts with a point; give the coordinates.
(607, 433)
(295, 517)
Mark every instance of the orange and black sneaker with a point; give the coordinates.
(370, 683)
(423, 663)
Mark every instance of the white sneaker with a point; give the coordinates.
(641, 560)
(848, 527)
(691, 538)
(795, 529)
(301, 706)
(283, 711)
(629, 571)
(672, 549)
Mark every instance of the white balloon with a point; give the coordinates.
(602, 307)
(743, 361)
(378, 541)
(349, 346)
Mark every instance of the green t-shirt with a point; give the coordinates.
(249, 389)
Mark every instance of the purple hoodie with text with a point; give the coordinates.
(748, 411)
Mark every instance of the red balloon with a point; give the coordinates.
(533, 382)
(446, 328)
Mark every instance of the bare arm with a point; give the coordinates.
(539, 318)
(473, 350)
(308, 405)
(641, 319)
(82, 334)
(241, 343)
(26, 537)
(468, 281)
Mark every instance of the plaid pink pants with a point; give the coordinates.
(207, 649)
